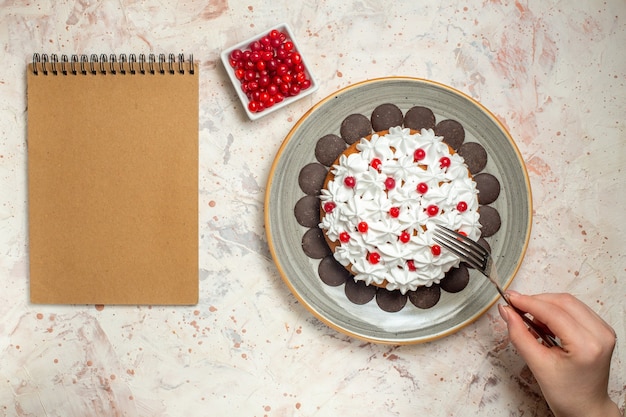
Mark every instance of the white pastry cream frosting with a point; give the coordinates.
(383, 202)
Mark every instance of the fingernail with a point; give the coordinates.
(504, 313)
(512, 292)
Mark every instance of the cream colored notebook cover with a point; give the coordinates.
(113, 180)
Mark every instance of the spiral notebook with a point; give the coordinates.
(113, 179)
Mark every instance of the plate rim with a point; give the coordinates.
(311, 308)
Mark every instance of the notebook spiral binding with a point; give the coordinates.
(111, 64)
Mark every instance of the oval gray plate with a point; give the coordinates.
(368, 322)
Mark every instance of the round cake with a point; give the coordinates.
(383, 197)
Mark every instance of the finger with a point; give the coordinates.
(565, 309)
(559, 321)
(584, 314)
(524, 341)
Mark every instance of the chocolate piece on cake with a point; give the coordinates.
(332, 272)
(452, 132)
(475, 156)
(358, 292)
(328, 148)
(418, 118)
(489, 218)
(314, 245)
(311, 178)
(456, 279)
(488, 188)
(307, 211)
(355, 127)
(483, 242)
(386, 116)
(425, 297)
(391, 301)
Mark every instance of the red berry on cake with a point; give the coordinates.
(461, 206)
(444, 162)
(394, 212)
(419, 154)
(390, 183)
(432, 210)
(411, 266)
(349, 182)
(422, 188)
(329, 206)
(362, 226)
(344, 237)
(376, 163)
(435, 250)
(373, 258)
(405, 237)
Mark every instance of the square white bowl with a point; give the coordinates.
(225, 55)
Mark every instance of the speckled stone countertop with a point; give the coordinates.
(552, 72)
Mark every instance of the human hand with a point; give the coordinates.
(574, 378)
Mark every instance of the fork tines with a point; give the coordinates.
(462, 246)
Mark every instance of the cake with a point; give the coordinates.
(381, 200)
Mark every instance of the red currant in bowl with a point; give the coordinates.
(272, 63)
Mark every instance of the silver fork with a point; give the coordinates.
(480, 259)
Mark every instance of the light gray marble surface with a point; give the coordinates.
(552, 71)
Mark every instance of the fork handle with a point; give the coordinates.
(540, 329)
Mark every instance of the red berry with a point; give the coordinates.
(300, 77)
(373, 258)
(390, 183)
(435, 250)
(274, 34)
(376, 163)
(305, 84)
(272, 89)
(362, 226)
(349, 182)
(239, 73)
(253, 106)
(255, 46)
(461, 206)
(405, 237)
(461, 232)
(444, 162)
(294, 90)
(329, 206)
(432, 210)
(422, 188)
(236, 55)
(284, 88)
(411, 265)
(275, 42)
(344, 237)
(249, 75)
(288, 46)
(394, 212)
(255, 56)
(419, 154)
(264, 80)
(282, 54)
(296, 57)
